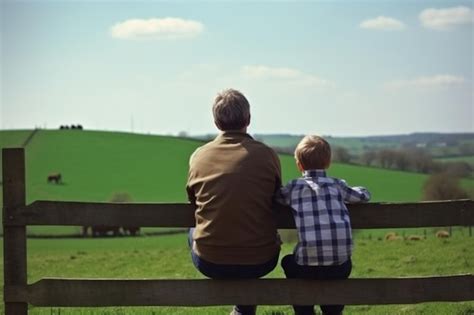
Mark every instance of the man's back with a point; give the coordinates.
(233, 179)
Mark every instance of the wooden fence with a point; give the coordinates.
(203, 292)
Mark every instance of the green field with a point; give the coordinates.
(468, 159)
(168, 257)
(95, 165)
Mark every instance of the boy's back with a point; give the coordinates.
(324, 228)
(321, 217)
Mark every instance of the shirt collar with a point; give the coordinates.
(226, 135)
(314, 173)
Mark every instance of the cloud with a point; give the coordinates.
(288, 75)
(447, 18)
(164, 28)
(383, 23)
(439, 80)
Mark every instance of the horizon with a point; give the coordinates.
(198, 136)
(353, 69)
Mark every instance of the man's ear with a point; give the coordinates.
(248, 122)
(217, 125)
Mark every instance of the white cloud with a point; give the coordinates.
(164, 28)
(447, 18)
(439, 80)
(383, 23)
(288, 75)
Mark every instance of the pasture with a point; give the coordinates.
(95, 165)
(168, 257)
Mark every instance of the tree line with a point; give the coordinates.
(443, 184)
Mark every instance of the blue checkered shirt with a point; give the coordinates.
(321, 217)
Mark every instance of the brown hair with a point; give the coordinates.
(313, 152)
(231, 110)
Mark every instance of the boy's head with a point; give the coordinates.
(231, 110)
(313, 152)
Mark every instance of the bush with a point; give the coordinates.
(121, 197)
(443, 187)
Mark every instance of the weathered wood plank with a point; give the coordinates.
(363, 216)
(14, 237)
(80, 292)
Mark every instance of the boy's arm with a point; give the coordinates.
(353, 194)
(281, 195)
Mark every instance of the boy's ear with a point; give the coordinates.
(300, 166)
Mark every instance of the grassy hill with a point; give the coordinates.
(95, 165)
(153, 169)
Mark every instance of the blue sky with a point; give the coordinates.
(341, 68)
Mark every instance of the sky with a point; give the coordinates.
(340, 68)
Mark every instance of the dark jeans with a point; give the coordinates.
(218, 271)
(293, 270)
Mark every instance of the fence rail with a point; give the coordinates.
(128, 292)
(363, 216)
(167, 292)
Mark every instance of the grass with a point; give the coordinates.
(95, 165)
(468, 159)
(168, 257)
(153, 169)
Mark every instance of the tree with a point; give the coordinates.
(459, 169)
(341, 155)
(443, 186)
(368, 157)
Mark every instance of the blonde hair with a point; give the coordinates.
(231, 110)
(313, 152)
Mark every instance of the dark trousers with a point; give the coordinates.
(293, 270)
(218, 271)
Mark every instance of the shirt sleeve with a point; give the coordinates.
(189, 190)
(353, 194)
(282, 195)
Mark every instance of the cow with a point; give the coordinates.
(132, 230)
(56, 178)
(102, 230)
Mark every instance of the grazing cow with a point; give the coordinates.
(102, 230)
(56, 178)
(131, 230)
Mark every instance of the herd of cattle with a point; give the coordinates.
(71, 127)
(99, 230)
(102, 230)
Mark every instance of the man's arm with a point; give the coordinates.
(191, 196)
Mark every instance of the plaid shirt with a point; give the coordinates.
(321, 217)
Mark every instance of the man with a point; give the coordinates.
(232, 180)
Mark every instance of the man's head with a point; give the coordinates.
(231, 110)
(313, 152)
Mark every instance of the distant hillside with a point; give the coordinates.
(438, 144)
(95, 165)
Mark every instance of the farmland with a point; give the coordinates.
(95, 165)
(168, 257)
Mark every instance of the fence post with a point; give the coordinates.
(14, 237)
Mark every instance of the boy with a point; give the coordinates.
(322, 220)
